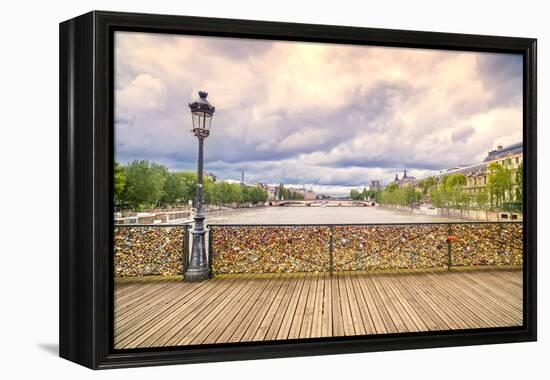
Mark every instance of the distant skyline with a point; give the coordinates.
(329, 117)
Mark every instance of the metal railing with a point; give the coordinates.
(269, 248)
(163, 249)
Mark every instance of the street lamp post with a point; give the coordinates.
(201, 113)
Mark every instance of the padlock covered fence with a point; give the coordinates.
(363, 247)
(150, 250)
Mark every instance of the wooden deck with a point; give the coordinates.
(240, 308)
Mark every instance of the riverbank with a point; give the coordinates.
(319, 215)
(462, 214)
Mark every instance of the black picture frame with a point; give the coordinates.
(86, 161)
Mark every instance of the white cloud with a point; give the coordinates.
(144, 93)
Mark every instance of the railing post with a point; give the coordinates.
(209, 252)
(330, 253)
(185, 257)
(449, 247)
(500, 250)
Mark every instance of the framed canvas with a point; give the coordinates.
(234, 189)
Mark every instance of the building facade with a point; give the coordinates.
(405, 180)
(477, 175)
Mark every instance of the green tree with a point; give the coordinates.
(456, 180)
(438, 197)
(144, 183)
(427, 184)
(454, 189)
(298, 195)
(518, 183)
(499, 184)
(410, 195)
(355, 194)
(450, 191)
(256, 195)
(179, 187)
(482, 199)
(119, 182)
(393, 194)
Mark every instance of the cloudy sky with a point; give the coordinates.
(330, 117)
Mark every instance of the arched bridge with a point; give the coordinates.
(322, 203)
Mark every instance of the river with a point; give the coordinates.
(318, 215)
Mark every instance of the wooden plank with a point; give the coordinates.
(258, 319)
(349, 328)
(167, 324)
(148, 295)
(472, 303)
(362, 306)
(503, 283)
(337, 316)
(406, 311)
(461, 320)
(203, 319)
(417, 291)
(511, 307)
(395, 314)
(127, 329)
(219, 323)
(296, 325)
(129, 288)
(162, 324)
(443, 290)
(260, 287)
(426, 317)
(356, 315)
(488, 299)
(389, 323)
(377, 320)
(512, 277)
(277, 322)
(282, 306)
(270, 315)
(286, 323)
(317, 323)
(307, 320)
(148, 305)
(495, 288)
(326, 330)
(264, 297)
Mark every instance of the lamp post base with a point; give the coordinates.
(198, 269)
(195, 275)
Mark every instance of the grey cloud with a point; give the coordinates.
(462, 134)
(502, 74)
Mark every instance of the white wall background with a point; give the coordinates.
(29, 187)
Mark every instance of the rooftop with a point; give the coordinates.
(466, 169)
(501, 151)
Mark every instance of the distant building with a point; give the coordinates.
(511, 155)
(271, 190)
(476, 175)
(375, 184)
(309, 195)
(405, 180)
